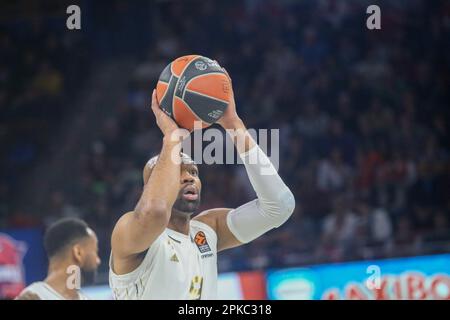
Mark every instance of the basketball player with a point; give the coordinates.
(68, 242)
(159, 251)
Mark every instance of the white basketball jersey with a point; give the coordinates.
(45, 292)
(176, 267)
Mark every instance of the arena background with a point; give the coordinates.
(363, 119)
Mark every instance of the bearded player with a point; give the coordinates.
(159, 251)
(70, 245)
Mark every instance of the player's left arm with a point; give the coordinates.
(274, 204)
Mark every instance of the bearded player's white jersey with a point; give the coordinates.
(176, 266)
(45, 292)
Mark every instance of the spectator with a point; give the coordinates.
(441, 229)
(333, 174)
(339, 227)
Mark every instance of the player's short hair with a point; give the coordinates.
(185, 159)
(63, 233)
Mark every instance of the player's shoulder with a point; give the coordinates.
(28, 295)
(32, 291)
(35, 286)
(210, 217)
(121, 223)
(123, 217)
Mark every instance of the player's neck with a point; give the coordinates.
(179, 222)
(57, 280)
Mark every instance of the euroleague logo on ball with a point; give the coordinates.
(192, 88)
(200, 65)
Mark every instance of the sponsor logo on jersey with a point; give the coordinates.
(201, 242)
(174, 258)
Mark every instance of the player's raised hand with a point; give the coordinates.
(168, 126)
(230, 118)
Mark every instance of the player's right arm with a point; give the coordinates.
(137, 230)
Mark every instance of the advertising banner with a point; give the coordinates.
(22, 260)
(415, 278)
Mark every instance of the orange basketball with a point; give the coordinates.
(193, 88)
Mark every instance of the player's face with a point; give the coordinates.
(188, 198)
(90, 260)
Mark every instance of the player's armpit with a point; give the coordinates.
(27, 295)
(217, 220)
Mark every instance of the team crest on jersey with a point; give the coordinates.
(201, 242)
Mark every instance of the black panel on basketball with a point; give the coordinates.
(196, 67)
(167, 102)
(206, 108)
(165, 75)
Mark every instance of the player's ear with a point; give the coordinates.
(77, 252)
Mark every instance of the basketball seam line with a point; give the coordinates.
(195, 114)
(205, 95)
(176, 84)
(171, 70)
(168, 83)
(198, 76)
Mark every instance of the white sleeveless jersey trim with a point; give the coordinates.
(46, 292)
(176, 266)
(203, 225)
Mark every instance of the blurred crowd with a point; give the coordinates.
(41, 68)
(363, 119)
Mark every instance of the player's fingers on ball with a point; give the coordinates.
(157, 116)
(154, 100)
(154, 112)
(184, 134)
(155, 107)
(226, 72)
